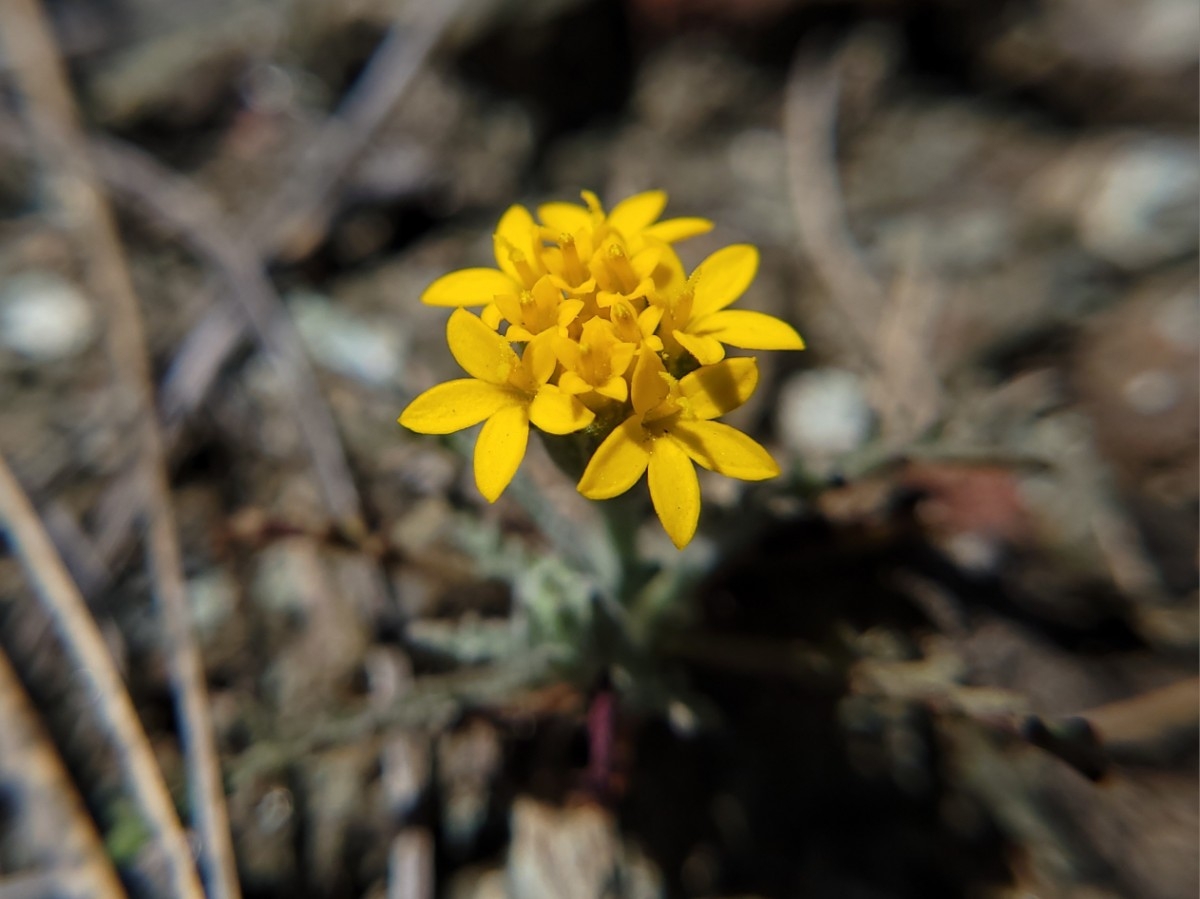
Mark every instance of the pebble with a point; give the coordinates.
(1143, 210)
(44, 317)
(212, 598)
(824, 413)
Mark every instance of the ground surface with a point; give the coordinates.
(952, 652)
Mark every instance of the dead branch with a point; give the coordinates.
(56, 833)
(54, 126)
(301, 205)
(810, 131)
(290, 222)
(889, 326)
(1149, 725)
(114, 708)
(179, 206)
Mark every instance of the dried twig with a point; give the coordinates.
(810, 129)
(1150, 725)
(175, 203)
(410, 865)
(298, 210)
(58, 137)
(909, 389)
(291, 221)
(889, 328)
(56, 833)
(114, 708)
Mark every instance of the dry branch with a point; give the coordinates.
(287, 222)
(55, 129)
(889, 326)
(85, 645)
(174, 203)
(56, 833)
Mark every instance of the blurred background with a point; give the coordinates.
(951, 652)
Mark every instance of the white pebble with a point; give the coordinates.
(1151, 392)
(1143, 210)
(824, 413)
(44, 317)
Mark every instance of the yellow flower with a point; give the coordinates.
(595, 363)
(505, 390)
(563, 246)
(536, 311)
(697, 318)
(635, 219)
(636, 327)
(670, 429)
(602, 322)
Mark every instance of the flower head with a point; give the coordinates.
(607, 337)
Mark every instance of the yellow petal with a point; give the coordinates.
(564, 217)
(556, 412)
(568, 311)
(620, 355)
(571, 383)
(595, 207)
(539, 358)
(636, 213)
(455, 405)
(724, 276)
(618, 462)
(723, 449)
(675, 491)
(481, 352)
(500, 449)
(516, 226)
(649, 318)
(648, 387)
(673, 230)
(514, 232)
(468, 287)
(509, 306)
(707, 350)
(615, 388)
(644, 264)
(716, 389)
(669, 276)
(492, 316)
(749, 330)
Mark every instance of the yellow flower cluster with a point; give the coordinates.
(606, 335)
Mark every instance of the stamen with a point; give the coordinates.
(572, 265)
(521, 264)
(621, 268)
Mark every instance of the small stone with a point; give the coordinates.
(824, 413)
(45, 317)
(213, 599)
(1143, 210)
(1151, 392)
